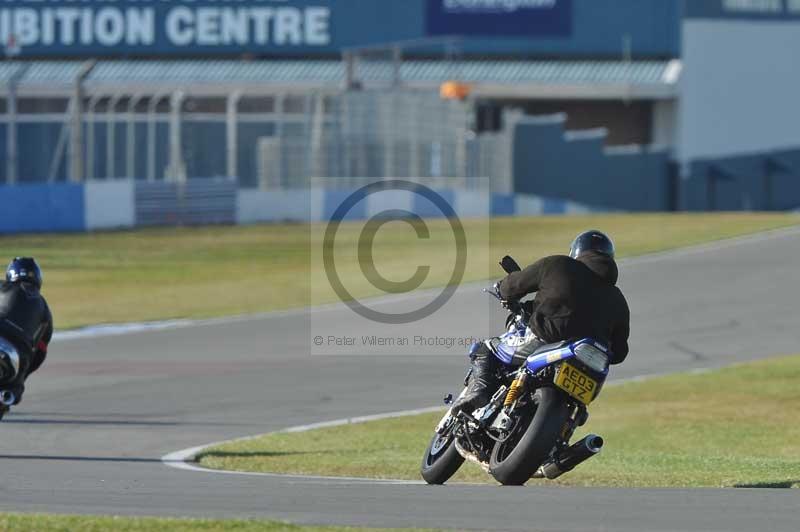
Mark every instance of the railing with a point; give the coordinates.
(77, 130)
(194, 202)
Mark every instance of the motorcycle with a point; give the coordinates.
(10, 361)
(525, 429)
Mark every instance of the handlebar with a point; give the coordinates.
(509, 265)
(511, 305)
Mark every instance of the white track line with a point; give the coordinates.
(185, 458)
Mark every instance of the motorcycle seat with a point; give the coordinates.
(549, 347)
(534, 347)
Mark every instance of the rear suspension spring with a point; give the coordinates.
(516, 389)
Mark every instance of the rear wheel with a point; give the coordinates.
(441, 460)
(517, 458)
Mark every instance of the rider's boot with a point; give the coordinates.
(482, 384)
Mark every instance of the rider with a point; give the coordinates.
(26, 326)
(576, 297)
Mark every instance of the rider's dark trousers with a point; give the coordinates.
(485, 367)
(483, 382)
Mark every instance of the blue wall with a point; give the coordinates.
(204, 148)
(36, 144)
(764, 181)
(247, 150)
(57, 207)
(547, 163)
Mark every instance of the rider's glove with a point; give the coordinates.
(508, 305)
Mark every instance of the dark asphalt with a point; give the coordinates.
(101, 413)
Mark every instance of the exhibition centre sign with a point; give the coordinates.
(160, 26)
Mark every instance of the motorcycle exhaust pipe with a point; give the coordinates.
(570, 457)
(7, 398)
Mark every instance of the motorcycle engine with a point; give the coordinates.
(9, 361)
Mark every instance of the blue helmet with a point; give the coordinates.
(24, 270)
(594, 241)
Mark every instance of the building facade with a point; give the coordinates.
(619, 104)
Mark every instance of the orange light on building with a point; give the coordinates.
(454, 90)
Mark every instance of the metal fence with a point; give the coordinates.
(376, 133)
(69, 123)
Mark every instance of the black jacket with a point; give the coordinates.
(25, 320)
(574, 299)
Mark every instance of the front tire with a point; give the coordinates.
(441, 459)
(515, 460)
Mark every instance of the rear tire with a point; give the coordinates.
(514, 461)
(441, 460)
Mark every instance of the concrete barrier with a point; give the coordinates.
(259, 206)
(109, 204)
(119, 204)
(318, 205)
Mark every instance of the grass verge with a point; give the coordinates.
(68, 523)
(726, 428)
(204, 272)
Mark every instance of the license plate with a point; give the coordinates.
(576, 383)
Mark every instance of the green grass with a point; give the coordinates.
(730, 427)
(71, 523)
(205, 272)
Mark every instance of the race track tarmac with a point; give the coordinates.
(97, 419)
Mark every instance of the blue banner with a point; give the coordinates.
(322, 28)
(509, 18)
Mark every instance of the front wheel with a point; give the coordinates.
(441, 460)
(517, 458)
